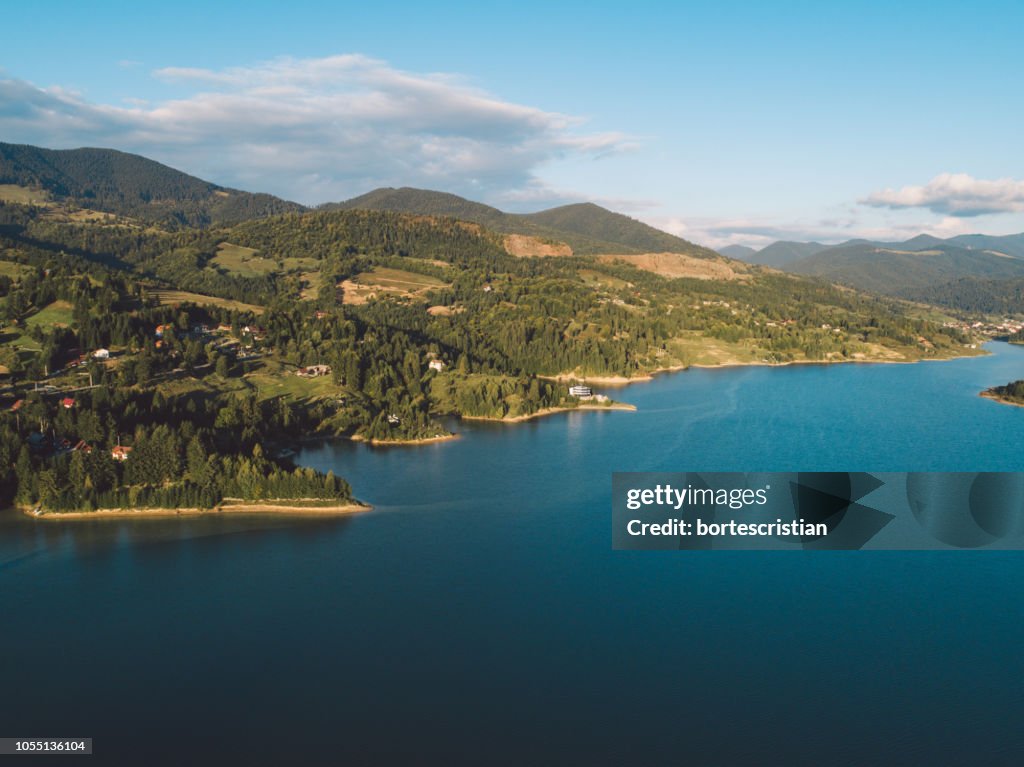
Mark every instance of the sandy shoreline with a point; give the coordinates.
(398, 442)
(649, 376)
(226, 508)
(621, 406)
(989, 394)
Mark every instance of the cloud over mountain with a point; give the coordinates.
(317, 129)
(955, 194)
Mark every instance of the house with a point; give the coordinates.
(68, 403)
(120, 452)
(320, 314)
(82, 447)
(581, 391)
(17, 405)
(101, 354)
(437, 365)
(393, 419)
(162, 329)
(488, 288)
(222, 328)
(314, 371)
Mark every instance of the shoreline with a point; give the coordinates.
(398, 442)
(990, 394)
(280, 508)
(620, 406)
(650, 375)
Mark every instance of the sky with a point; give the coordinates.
(725, 122)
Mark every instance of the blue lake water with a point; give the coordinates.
(479, 615)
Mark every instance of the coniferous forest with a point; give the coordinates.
(151, 363)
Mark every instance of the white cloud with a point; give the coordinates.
(318, 129)
(955, 194)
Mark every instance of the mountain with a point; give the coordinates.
(781, 253)
(587, 228)
(590, 220)
(426, 203)
(132, 186)
(1010, 245)
(900, 270)
(971, 294)
(742, 252)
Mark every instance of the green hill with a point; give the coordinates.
(593, 221)
(898, 271)
(587, 228)
(1010, 245)
(781, 253)
(133, 186)
(427, 203)
(971, 294)
(741, 252)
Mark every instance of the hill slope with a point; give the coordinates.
(587, 228)
(742, 252)
(900, 271)
(781, 253)
(133, 186)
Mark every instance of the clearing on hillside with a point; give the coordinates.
(524, 246)
(245, 262)
(14, 270)
(23, 195)
(382, 280)
(675, 265)
(172, 297)
(57, 314)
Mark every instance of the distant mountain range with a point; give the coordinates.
(963, 271)
(139, 188)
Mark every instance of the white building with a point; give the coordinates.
(101, 354)
(437, 365)
(579, 390)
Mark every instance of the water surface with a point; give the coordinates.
(479, 615)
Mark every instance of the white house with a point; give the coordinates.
(437, 365)
(579, 390)
(314, 371)
(101, 354)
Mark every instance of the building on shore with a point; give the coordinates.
(579, 390)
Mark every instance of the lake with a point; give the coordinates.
(480, 616)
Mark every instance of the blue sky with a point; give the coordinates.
(724, 122)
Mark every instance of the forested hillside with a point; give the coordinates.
(133, 186)
(156, 367)
(587, 228)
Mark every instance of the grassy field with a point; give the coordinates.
(15, 338)
(247, 262)
(270, 383)
(171, 297)
(313, 281)
(383, 280)
(22, 195)
(593, 277)
(13, 270)
(57, 313)
(696, 349)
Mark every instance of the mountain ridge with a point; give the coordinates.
(131, 185)
(587, 228)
